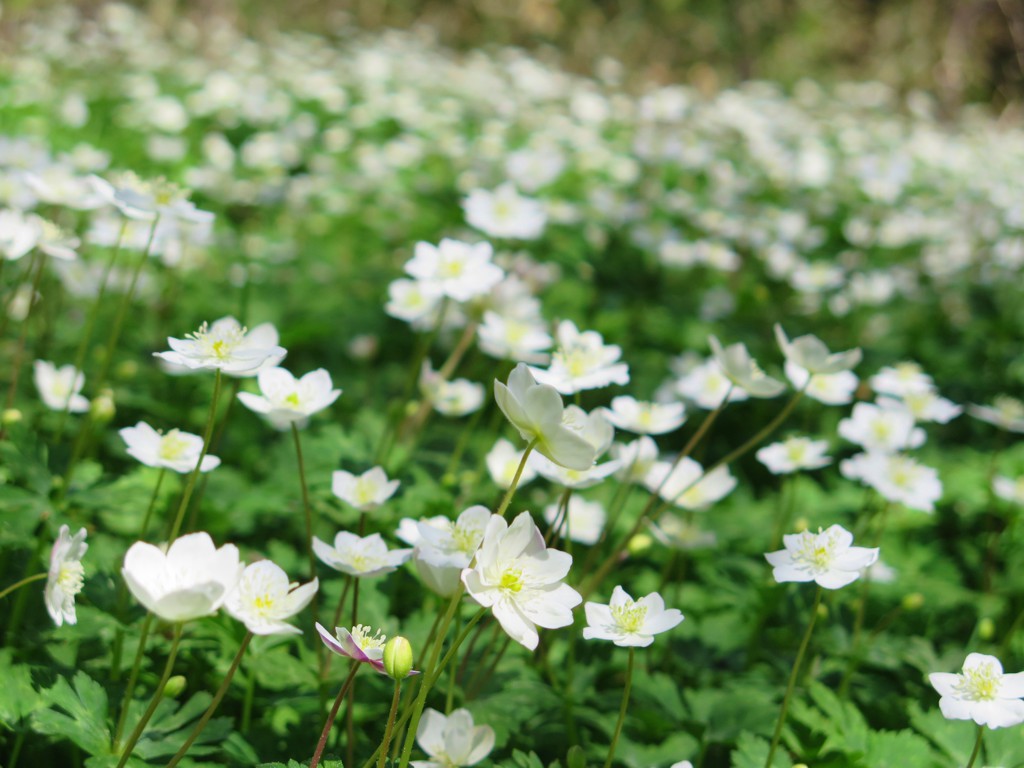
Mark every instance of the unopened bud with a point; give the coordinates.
(801, 524)
(822, 611)
(986, 628)
(11, 416)
(127, 369)
(398, 658)
(102, 407)
(913, 601)
(174, 687)
(639, 543)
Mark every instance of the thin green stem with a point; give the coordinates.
(19, 352)
(793, 678)
(22, 583)
(977, 747)
(133, 677)
(622, 709)
(152, 505)
(383, 749)
(190, 486)
(157, 695)
(333, 714)
(307, 508)
(515, 479)
(213, 704)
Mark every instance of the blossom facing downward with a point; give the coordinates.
(227, 346)
(285, 400)
(360, 556)
(520, 580)
(743, 371)
(981, 692)
(627, 622)
(810, 353)
(66, 575)
(827, 388)
(191, 579)
(263, 599)
(452, 741)
(364, 492)
(174, 450)
(1005, 412)
(60, 388)
(825, 557)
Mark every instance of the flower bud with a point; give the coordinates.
(398, 658)
(175, 685)
(639, 544)
(10, 416)
(986, 628)
(102, 407)
(913, 601)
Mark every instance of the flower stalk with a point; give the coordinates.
(333, 714)
(622, 709)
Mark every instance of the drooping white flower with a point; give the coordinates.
(583, 521)
(285, 400)
(827, 388)
(502, 462)
(537, 412)
(981, 692)
(593, 427)
(520, 580)
(1005, 412)
(901, 380)
(452, 741)
(794, 454)
(66, 575)
(810, 353)
(505, 213)
(263, 599)
(896, 477)
(461, 271)
(707, 386)
(635, 459)
(825, 557)
(582, 361)
(514, 338)
(364, 492)
(743, 371)
(174, 450)
(455, 398)
(645, 418)
(881, 430)
(627, 622)
(228, 346)
(191, 579)
(687, 486)
(360, 556)
(60, 388)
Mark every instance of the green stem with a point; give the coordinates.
(250, 694)
(210, 419)
(793, 677)
(307, 508)
(333, 714)
(622, 709)
(515, 479)
(133, 677)
(19, 352)
(977, 747)
(213, 704)
(22, 583)
(391, 725)
(152, 504)
(157, 695)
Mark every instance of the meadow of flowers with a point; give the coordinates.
(369, 404)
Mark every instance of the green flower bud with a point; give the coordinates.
(175, 685)
(986, 628)
(11, 416)
(639, 544)
(398, 658)
(103, 406)
(913, 601)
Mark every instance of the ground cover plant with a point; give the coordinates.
(369, 404)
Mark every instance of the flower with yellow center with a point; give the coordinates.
(360, 556)
(582, 361)
(794, 454)
(285, 400)
(520, 579)
(627, 622)
(174, 450)
(66, 575)
(981, 692)
(228, 346)
(263, 599)
(364, 492)
(825, 557)
(461, 271)
(361, 643)
(645, 418)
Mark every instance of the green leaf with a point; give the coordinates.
(752, 752)
(17, 696)
(84, 716)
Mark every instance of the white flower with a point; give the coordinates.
(66, 575)
(361, 644)
(514, 338)
(683, 764)
(687, 486)
(452, 741)
(901, 380)
(743, 371)
(827, 388)
(176, 450)
(706, 385)
(191, 579)
(585, 521)
(360, 556)
(536, 410)
(285, 400)
(1006, 413)
(505, 213)
(645, 418)
(364, 492)
(502, 462)
(263, 599)
(19, 233)
(1009, 489)
(444, 547)
(881, 430)
(825, 557)
(145, 200)
(520, 580)
(227, 346)
(414, 301)
(811, 354)
(793, 454)
(582, 361)
(925, 405)
(635, 459)
(59, 388)
(627, 622)
(461, 271)
(896, 477)
(981, 693)
(450, 398)
(532, 169)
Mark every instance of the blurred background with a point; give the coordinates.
(960, 50)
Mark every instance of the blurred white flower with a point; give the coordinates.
(635, 459)
(1009, 489)
(583, 523)
(645, 418)
(414, 301)
(924, 405)
(881, 430)
(896, 478)
(686, 485)
(361, 556)
(460, 271)
(901, 380)
(364, 492)
(706, 385)
(263, 599)
(811, 354)
(452, 741)
(454, 398)
(502, 462)
(227, 346)
(285, 400)
(505, 213)
(794, 454)
(1005, 412)
(826, 557)
(175, 450)
(514, 338)
(627, 622)
(582, 361)
(66, 575)
(827, 388)
(743, 371)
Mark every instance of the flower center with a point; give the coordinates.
(367, 641)
(293, 400)
(71, 577)
(629, 616)
(881, 429)
(796, 451)
(263, 604)
(451, 268)
(364, 491)
(576, 359)
(467, 539)
(172, 446)
(511, 581)
(979, 684)
(816, 551)
(221, 346)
